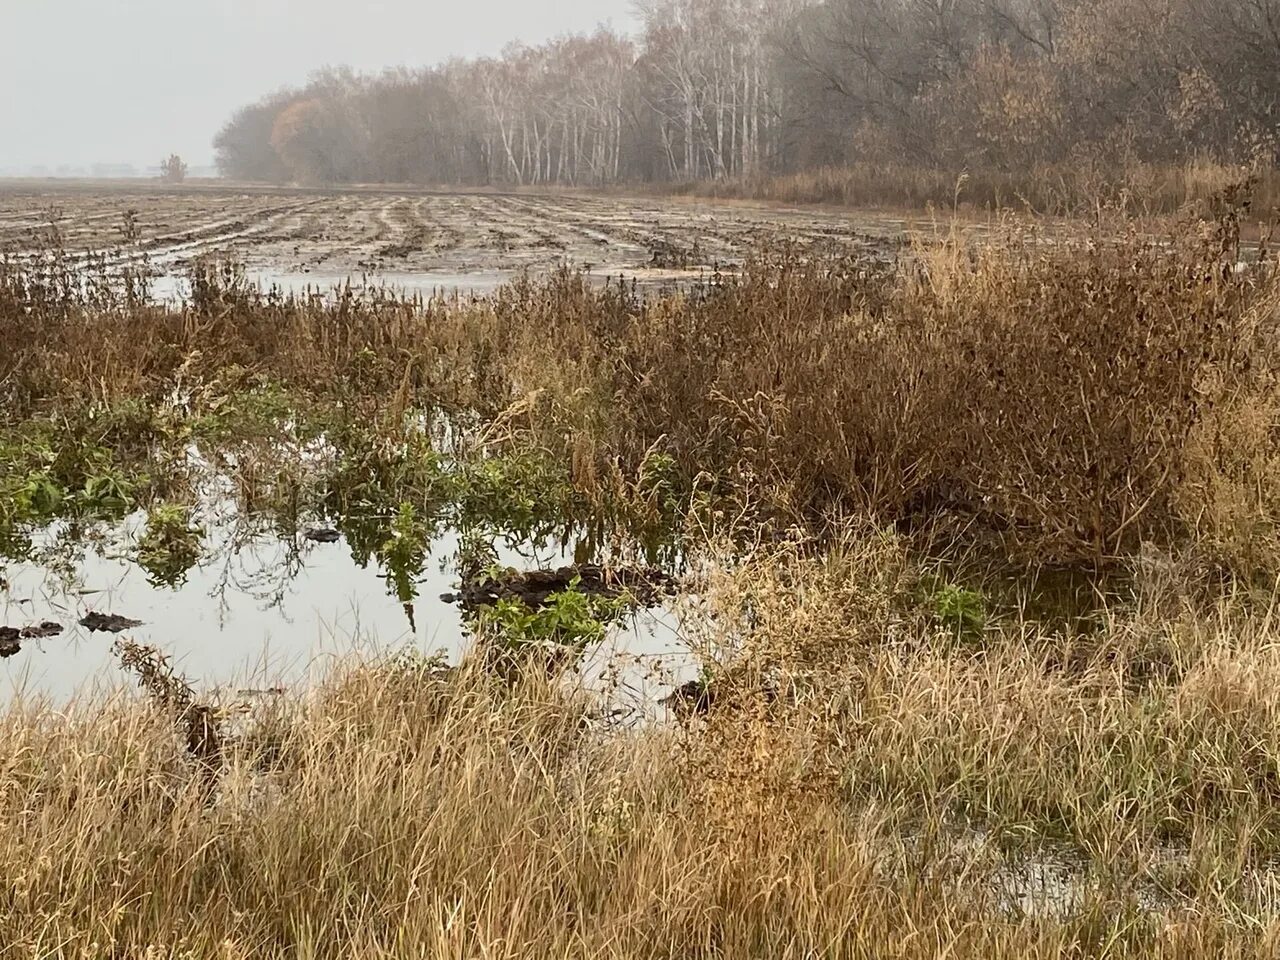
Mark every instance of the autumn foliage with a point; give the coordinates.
(717, 90)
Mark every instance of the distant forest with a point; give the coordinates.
(722, 89)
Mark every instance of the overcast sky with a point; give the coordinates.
(128, 81)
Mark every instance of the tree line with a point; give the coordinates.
(718, 89)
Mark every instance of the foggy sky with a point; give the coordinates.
(130, 81)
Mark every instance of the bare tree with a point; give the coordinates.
(715, 89)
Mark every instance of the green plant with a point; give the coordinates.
(403, 553)
(49, 470)
(476, 556)
(109, 492)
(523, 491)
(569, 619)
(959, 610)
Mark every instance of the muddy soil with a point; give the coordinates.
(11, 637)
(107, 623)
(645, 586)
(292, 234)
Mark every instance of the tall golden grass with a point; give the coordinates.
(911, 797)
(1059, 190)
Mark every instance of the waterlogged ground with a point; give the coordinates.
(263, 610)
(421, 243)
(1066, 745)
(253, 542)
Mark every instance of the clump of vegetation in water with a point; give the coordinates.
(524, 491)
(50, 471)
(560, 629)
(403, 553)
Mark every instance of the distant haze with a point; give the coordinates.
(87, 82)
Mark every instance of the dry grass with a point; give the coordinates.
(1071, 190)
(902, 800)
(1069, 401)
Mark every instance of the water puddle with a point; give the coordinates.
(269, 613)
(176, 287)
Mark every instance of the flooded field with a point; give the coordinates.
(945, 575)
(263, 609)
(424, 242)
(284, 557)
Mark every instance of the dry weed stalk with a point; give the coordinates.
(198, 723)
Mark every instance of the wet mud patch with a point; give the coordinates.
(40, 631)
(641, 586)
(420, 243)
(96, 622)
(11, 637)
(669, 254)
(321, 535)
(417, 239)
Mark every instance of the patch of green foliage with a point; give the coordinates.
(257, 409)
(476, 557)
(387, 487)
(375, 473)
(398, 539)
(959, 610)
(660, 480)
(523, 492)
(50, 470)
(570, 619)
(403, 553)
(666, 497)
(390, 495)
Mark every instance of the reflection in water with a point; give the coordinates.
(261, 611)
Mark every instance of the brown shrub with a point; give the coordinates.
(1074, 398)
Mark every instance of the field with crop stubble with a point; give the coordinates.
(418, 239)
(948, 567)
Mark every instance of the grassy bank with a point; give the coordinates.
(868, 781)
(874, 479)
